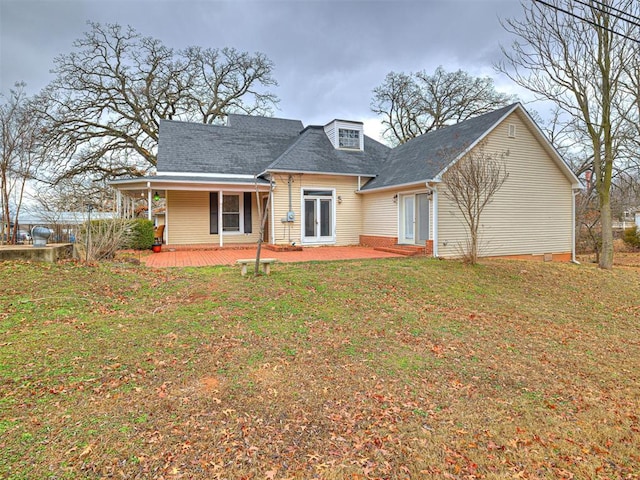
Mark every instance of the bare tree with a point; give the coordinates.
(588, 226)
(471, 183)
(630, 110)
(112, 90)
(73, 195)
(572, 54)
(414, 104)
(21, 153)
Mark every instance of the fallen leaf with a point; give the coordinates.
(271, 474)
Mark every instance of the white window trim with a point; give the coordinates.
(240, 213)
(314, 240)
(433, 219)
(359, 139)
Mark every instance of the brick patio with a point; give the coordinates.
(169, 257)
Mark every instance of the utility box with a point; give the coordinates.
(40, 235)
(290, 218)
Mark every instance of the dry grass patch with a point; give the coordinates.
(375, 369)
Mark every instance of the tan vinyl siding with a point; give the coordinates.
(530, 214)
(188, 220)
(285, 233)
(347, 212)
(380, 214)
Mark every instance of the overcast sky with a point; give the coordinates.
(328, 54)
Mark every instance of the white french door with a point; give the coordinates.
(414, 219)
(318, 222)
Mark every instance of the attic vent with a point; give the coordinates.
(512, 131)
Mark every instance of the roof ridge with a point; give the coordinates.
(297, 140)
(432, 153)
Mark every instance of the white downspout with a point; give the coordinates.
(573, 228)
(434, 191)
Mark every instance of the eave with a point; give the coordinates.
(135, 186)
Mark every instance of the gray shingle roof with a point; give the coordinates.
(313, 152)
(264, 124)
(424, 157)
(252, 145)
(200, 148)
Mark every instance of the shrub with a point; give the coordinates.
(141, 234)
(107, 237)
(631, 237)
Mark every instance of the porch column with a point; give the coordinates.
(149, 206)
(221, 227)
(118, 204)
(435, 220)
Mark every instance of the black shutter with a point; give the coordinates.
(247, 212)
(213, 212)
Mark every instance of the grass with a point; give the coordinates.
(410, 368)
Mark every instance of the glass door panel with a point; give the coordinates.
(422, 217)
(325, 218)
(409, 217)
(310, 221)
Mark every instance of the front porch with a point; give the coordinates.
(197, 213)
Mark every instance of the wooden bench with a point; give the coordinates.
(265, 262)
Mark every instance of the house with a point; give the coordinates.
(333, 185)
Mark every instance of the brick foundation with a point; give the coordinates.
(377, 241)
(428, 248)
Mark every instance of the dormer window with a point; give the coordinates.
(349, 138)
(345, 134)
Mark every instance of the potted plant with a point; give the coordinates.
(156, 247)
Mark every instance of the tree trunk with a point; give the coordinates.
(263, 221)
(473, 257)
(606, 173)
(6, 214)
(606, 249)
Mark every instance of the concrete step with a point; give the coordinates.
(406, 250)
(282, 248)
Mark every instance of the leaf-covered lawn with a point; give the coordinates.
(400, 368)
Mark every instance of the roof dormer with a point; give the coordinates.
(345, 134)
